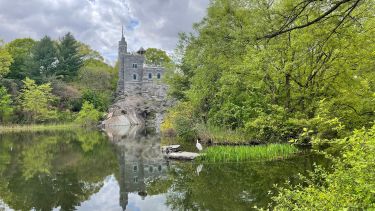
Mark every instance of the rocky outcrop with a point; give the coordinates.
(130, 110)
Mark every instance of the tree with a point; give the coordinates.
(21, 51)
(45, 59)
(317, 77)
(70, 59)
(36, 101)
(156, 56)
(5, 61)
(88, 53)
(5, 105)
(88, 116)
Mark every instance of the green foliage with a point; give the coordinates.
(178, 121)
(21, 52)
(70, 59)
(5, 105)
(248, 153)
(88, 53)
(100, 101)
(73, 69)
(88, 116)
(5, 61)
(350, 185)
(156, 56)
(242, 71)
(45, 59)
(36, 102)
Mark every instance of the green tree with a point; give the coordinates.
(248, 64)
(88, 53)
(70, 59)
(21, 51)
(45, 59)
(88, 116)
(36, 101)
(5, 61)
(156, 56)
(5, 105)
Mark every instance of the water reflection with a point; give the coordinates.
(140, 160)
(86, 170)
(42, 171)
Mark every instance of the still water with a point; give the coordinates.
(125, 170)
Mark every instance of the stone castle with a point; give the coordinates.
(135, 76)
(141, 94)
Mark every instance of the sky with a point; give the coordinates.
(147, 23)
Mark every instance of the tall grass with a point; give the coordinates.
(248, 153)
(221, 135)
(36, 127)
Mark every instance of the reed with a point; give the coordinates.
(248, 153)
(36, 127)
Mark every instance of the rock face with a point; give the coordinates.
(182, 155)
(141, 95)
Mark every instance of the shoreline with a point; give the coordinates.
(36, 127)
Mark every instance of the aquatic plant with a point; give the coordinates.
(248, 153)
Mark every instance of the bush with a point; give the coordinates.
(100, 101)
(179, 121)
(88, 116)
(351, 185)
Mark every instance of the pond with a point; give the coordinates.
(125, 170)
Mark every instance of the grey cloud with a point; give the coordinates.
(151, 23)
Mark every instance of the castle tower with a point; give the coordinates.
(122, 51)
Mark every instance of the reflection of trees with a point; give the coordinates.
(227, 186)
(48, 170)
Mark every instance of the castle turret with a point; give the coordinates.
(122, 51)
(122, 44)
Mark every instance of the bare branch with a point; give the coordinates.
(316, 20)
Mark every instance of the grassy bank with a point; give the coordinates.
(248, 153)
(218, 135)
(36, 127)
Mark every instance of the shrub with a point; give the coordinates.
(351, 185)
(88, 116)
(179, 121)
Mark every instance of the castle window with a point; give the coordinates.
(135, 65)
(150, 76)
(158, 75)
(135, 168)
(134, 76)
(135, 179)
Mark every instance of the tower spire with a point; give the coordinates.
(122, 30)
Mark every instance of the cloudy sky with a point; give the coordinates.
(147, 23)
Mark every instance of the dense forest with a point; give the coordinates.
(285, 71)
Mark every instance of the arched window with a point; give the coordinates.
(134, 76)
(158, 75)
(149, 75)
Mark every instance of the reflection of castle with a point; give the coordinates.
(140, 160)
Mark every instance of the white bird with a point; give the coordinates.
(199, 168)
(199, 146)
